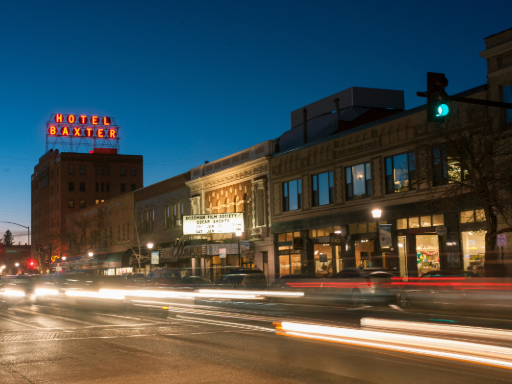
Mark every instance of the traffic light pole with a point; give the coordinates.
(469, 100)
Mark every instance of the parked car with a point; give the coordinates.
(359, 285)
(195, 282)
(243, 278)
(439, 288)
(298, 282)
(133, 278)
(163, 277)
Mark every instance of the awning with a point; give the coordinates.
(115, 260)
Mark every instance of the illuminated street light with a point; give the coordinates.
(376, 213)
(150, 245)
(63, 258)
(91, 254)
(238, 232)
(17, 264)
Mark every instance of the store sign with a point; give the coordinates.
(81, 126)
(502, 240)
(385, 235)
(178, 249)
(218, 223)
(334, 239)
(441, 230)
(155, 258)
(222, 253)
(298, 243)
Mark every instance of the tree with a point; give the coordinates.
(86, 233)
(465, 161)
(8, 238)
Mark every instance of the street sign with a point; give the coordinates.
(335, 239)
(222, 253)
(502, 240)
(155, 258)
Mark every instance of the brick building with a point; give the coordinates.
(63, 183)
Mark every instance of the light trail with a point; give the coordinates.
(463, 351)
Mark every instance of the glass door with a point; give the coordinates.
(402, 255)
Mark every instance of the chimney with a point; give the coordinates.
(305, 124)
(337, 104)
(206, 161)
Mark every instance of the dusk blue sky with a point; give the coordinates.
(190, 81)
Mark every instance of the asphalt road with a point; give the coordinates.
(207, 342)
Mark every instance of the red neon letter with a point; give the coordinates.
(112, 133)
(106, 120)
(94, 120)
(77, 132)
(64, 131)
(100, 132)
(52, 131)
(71, 119)
(82, 119)
(58, 118)
(88, 132)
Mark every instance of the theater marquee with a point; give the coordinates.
(218, 223)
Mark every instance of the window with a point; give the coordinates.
(322, 189)
(123, 187)
(123, 171)
(111, 242)
(107, 170)
(422, 221)
(133, 171)
(400, 173)
(118, 233)
(102, 171)
(97, 170)
(507, 98)
(108, 187)
(127, 231)
(472, 216)
(133, 187)
(358, 181)
(71, 203)
(102, 187)
(71, 169)
(71, 186)
(166, 217)
(82, 187)
(447, 165)
(82, 170)
(82, 203)
(292, 195)
(174, 215)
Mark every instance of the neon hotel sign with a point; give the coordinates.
(81, 126)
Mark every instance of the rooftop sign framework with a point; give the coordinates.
(72, 131)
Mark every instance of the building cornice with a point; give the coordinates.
(495, 51)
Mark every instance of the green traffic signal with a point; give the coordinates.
(442, 110)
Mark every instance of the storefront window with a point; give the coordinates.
(426, 221)
(473, 248)
(296, 234)
(437, 220)
(361, 228)
(414, 222)
(401, 224)
(480, 215)
(323, 260)
(402, 255)
(284, 265)
(289, 261)
(365, 252)
(372, 227)
(281, 237)
(467, 217)
(427, 253)
(352, 229)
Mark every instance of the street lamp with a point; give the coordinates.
(150, 245)
(376, 213)
(91, 254)
(63, 258)
(17, 264)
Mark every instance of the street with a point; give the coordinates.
(209, 342)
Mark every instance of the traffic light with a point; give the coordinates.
(436, 109)
(31, 264)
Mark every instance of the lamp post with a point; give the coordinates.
(376, 213)
(91, 254)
